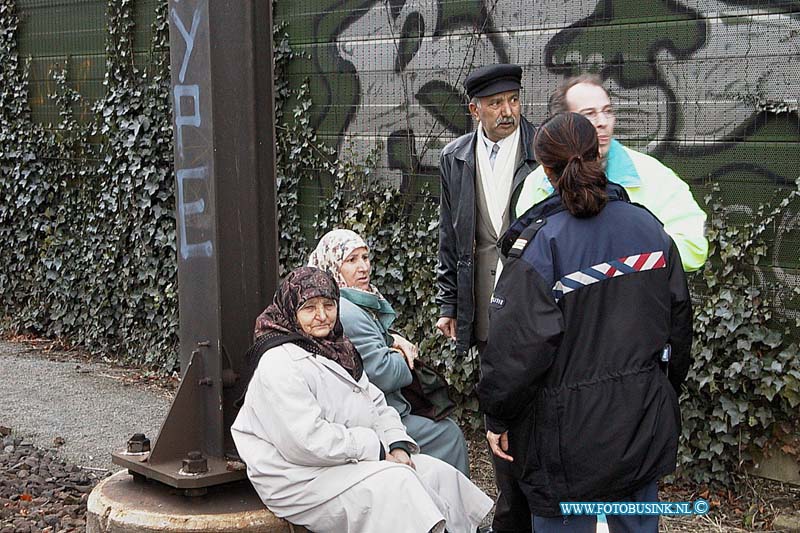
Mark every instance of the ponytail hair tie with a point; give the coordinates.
(575, 158)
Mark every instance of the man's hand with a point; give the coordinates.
(407, 348)
(399, 455)
(499, 445)
(447, 325)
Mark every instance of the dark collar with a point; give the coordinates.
(553, 203)
(548, 207)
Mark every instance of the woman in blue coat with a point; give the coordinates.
(388, 357)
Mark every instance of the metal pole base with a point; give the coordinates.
(172, 460)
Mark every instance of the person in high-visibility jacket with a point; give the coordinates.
(647, 181)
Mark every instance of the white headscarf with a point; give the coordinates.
(331, 251)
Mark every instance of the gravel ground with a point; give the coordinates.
(85, 408)
(40, 492)
(63, 414)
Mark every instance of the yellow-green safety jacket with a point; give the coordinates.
(649, 183)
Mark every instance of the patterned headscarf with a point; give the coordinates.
(333, 249)
(280, 318)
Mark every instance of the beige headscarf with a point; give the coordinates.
(333, 249)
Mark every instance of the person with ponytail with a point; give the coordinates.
(647, 180)
(590, 331)
(571, 162)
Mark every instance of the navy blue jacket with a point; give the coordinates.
(578, 323)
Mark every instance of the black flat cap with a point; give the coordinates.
(493, 79)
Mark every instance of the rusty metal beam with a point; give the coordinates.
(222, 81)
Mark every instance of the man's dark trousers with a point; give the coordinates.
(511, 512)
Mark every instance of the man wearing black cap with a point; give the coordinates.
(481, 172)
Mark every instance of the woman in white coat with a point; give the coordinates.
(322, 447)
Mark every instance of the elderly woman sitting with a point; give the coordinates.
(388, 358)
(322, 447)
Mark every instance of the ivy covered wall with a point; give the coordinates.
(87, 228)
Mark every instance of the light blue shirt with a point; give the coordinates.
(619, 169)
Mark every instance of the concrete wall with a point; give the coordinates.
(710, 87)
(54, 34)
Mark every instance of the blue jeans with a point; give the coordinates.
(616, 523)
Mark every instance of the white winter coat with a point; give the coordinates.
(309, 433)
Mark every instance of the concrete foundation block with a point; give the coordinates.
(120, 504)
(779, 466)
(787, 523)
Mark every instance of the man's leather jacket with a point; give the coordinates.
(457, 214)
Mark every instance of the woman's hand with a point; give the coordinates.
(407, 348)
(399, 455)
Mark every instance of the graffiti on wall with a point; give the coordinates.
(188, 120)
(705, 85)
